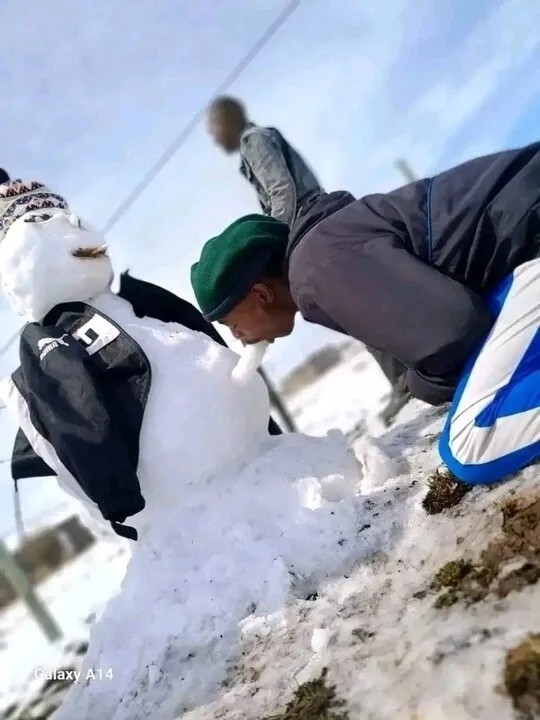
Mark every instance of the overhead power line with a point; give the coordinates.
(186, 131)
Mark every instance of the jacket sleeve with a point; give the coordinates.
(67, 409)
(265, 157)
(384, 296)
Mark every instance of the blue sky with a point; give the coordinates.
(94, 90)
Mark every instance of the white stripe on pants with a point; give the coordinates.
(493, 377)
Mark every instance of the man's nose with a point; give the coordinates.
(238, 334)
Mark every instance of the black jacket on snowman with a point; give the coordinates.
(80, 392)
(147, 300)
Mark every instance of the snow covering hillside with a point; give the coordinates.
(398, 638)
(388, 650)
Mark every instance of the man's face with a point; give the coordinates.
(260, 316)
(225, 127)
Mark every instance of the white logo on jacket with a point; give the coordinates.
(46, 345)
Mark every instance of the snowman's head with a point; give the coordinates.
(50, 256)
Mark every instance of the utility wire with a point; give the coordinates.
(186, 131)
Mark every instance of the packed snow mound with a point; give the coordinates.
(236, 523)
(237, 546)
(395, 643)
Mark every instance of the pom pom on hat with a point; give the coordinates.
(18, 198)
(231, 263)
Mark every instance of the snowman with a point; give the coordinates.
(162, 432)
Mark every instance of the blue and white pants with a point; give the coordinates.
(493, 427)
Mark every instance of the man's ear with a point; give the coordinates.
(264, 292)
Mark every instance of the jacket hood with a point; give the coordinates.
(326, 205)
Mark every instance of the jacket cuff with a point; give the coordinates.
(433, 391)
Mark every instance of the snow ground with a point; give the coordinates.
(414, 662)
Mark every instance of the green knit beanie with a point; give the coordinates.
(231, 263)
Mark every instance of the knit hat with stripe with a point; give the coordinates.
(18, 198)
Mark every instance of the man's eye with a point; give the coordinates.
(37, 218)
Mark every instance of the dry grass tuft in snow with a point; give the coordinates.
(522, 676)
(444, 491)
(314, 700)
(450, 578)
(509, 562)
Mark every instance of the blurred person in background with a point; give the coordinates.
(443, 274)
(4, 177)
(287, 189)
(286, 186)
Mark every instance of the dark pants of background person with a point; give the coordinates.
(392, 368)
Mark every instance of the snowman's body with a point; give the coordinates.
(196, 421)
(234, 518)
